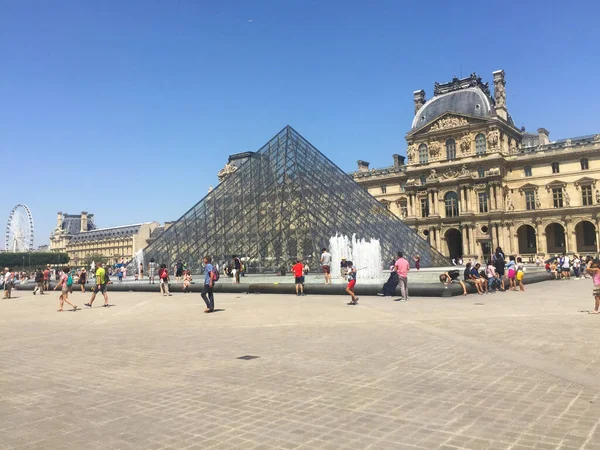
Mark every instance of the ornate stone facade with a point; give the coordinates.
(473, 181)
(78, 236)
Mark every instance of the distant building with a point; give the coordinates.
(77, 235)
(474, 181)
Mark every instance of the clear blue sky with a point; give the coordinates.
(127, 109)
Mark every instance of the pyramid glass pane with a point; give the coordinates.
(285, 202)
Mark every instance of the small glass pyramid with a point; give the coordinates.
(285, 202)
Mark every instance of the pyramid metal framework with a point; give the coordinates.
(285, 202)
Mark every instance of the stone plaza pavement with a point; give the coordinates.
(504, 371)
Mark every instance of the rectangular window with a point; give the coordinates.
(585, 165)
(555, 167)
(403, 208)
(383, 188)
(586, 195)
(424, 207)
(529, 200)
(483, 202)
(528, 171)
(557, 197)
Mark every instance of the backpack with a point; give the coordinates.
(216, 274)
(69, 281)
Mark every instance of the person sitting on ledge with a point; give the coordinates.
(453, 276)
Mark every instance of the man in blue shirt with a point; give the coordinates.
(207, 289)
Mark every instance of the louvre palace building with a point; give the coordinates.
(473, 181)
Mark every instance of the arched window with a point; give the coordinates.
(450, 149)
(451, 202)
(585, 165)
(480, 144)
(423, 154)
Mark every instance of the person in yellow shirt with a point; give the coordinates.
(102, 282)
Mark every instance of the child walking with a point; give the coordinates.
(520, 274)
(298, 270)
(351, 283)
(594, 270)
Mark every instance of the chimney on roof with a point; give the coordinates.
(419, 100)
(398, 161)
(363, 166)
(500, 94)
(84, 221)
(543, 136)
(59, 220)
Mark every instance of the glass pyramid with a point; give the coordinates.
(285, 202)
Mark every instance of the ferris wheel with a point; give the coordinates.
(19, 230)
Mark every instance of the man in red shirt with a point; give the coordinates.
(298, 270)
(47, 278)
(402, 267)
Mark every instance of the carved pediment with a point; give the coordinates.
(447, 121)
(585, 181)
(555, 184)
(528, 187)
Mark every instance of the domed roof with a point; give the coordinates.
(471, 101)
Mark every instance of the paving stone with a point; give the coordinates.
(519, 372)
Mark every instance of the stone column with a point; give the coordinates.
(541, 237)
(432, 237)
(463, 199)
(509, 238)
(464, 231)
(473, 240)
(473, 198)
(570, 246)
(438, 233)
(496, 200)
(434, 196)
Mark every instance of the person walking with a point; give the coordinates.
(207, 289)
(326, 265)
(179, 270)
(402, 268)
(351, 284)
(9, 280)
(520, 274)
(47, 278)
(102, 282)
(39, 282)
(566, 266)
(593, 269)
(151, 271)
(82, 280)
(298, 270)
(163, 275)
(65, 282)
(237, 268)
